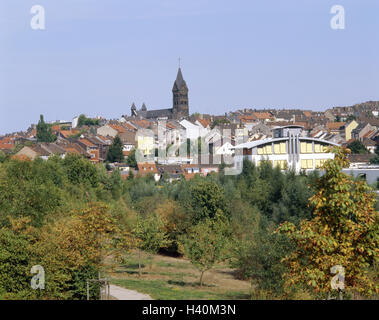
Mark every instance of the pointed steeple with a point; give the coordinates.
(133, 110)
(180, 96)
(144, 107)
(179, 82)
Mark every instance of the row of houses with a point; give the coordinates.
(288, 138)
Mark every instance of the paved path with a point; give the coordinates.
(120, 293)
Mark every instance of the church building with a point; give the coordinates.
(180, 106)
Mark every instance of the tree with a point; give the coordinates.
(344, 231)
(116, 184)
(131, 160)
(259, 258)
(14, 262)
(375, 160)
(149, 235)
(44, 133)
(357, 147)
(208, 198)
(205, 244)
(80, 170)
(115, 153)
(83, 120)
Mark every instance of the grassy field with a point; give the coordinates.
(167, 278)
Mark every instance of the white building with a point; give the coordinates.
(193, 131)
(288, 149)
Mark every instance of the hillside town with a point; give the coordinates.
(166, 141)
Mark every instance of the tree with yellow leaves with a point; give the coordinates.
(344, 231)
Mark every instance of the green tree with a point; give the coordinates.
(258, 257)
(44, 133)
(14, 262)
(116, 184)
(83, 120)
(357, 147)
(375, 160)
(206, 244)
(80, 170)
(344, 231)
(115, 153)
(208, 198)
(131, 160)
(150, 235)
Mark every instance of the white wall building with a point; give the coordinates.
(193, 131)
(288, 149)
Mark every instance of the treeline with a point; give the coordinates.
(71, 216)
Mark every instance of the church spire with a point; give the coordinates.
(180, 95)
(179, 82)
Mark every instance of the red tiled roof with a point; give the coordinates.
(247, 118)
(87, 143)
(68, 133)
(145, 168)
(118, 128)
(55, 128)
(71, 150)
(262, 115)
(129, 126)
(368, 134)
(6, 146)
(334, 125)
(205, 123)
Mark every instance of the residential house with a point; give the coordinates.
(357, 160)
(145, 168)
(361, 131)
(92, 149)
(335, 127)
(128, 140)
(174, 172)
(348, 128)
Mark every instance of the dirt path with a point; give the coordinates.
(125, 294)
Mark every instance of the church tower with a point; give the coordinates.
(180, 97)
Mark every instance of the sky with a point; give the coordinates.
(97, 57)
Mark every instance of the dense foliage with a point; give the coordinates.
(357, 147)
(344, 232)
(84, 121)
(69, 215)
(115, 153)
(44, 132)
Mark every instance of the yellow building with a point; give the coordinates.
(349, 127)
(289, 149)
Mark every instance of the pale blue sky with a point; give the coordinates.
(99, 56)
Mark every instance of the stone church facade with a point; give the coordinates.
(180, 105)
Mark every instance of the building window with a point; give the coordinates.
(281, 163)
(307, 164)
(306, 147)
(320, 148)
(280, 148)
(265, 149)
(320, 163)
